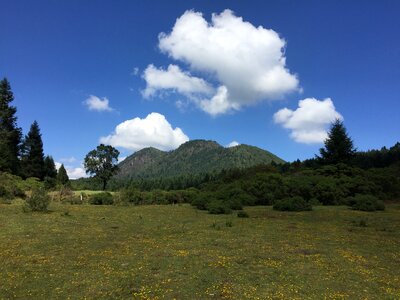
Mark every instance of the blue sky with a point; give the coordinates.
(237, 76)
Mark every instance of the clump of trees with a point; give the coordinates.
(21, 157)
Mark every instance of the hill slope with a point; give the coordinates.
(193, 157)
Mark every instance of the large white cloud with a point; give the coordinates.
(152, 131)
(97, 104)
(175, 79)
(246, 62)
(309, 122)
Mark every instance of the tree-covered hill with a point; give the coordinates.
(193, 157)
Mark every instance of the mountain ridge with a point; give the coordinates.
(192, 157)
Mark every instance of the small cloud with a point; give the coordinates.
(68, 160)
(310, 121)
(152, 131)
(232, 144)
(96, 104)
(135, 71)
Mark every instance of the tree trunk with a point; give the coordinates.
(104, 184)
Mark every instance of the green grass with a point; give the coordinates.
(166, 252)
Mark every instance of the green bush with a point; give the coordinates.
(39, 200)
(11, 187)
(49, 183)
(366, 203)
(242, 214)
(130, 195)
(104, 198)
(217, 207)
(296, 203)
(234, 204)
(201, 201)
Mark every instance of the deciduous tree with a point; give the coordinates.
(102, 163)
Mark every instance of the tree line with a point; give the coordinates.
(23, 155)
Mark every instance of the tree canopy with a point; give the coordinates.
(10, 133)
(339, 146)
(102, 163)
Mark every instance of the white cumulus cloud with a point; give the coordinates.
(152, 131)
(233, 144)
(246, 63)
(310, 121)
(97, 104)
(75, 173)
(173, 79)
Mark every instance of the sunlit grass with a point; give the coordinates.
(166, 252)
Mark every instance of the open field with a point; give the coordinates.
(166, 252)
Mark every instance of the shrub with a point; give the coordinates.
(10, 187)
(242, 214)
(39, 200)
(130, 195)
(49, 183)
(234, 204)
(314, 202)
(296, 203)
(366, 203)
(104, 198)
(201, 201)
(217, 207)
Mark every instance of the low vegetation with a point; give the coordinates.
(175, 251)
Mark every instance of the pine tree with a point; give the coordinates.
(10, 134)
(62, 176)
(49, 167)
(32, 160)
(339, 146)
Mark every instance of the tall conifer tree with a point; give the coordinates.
(49, 167)
(339, 146)
(32, 153)
(62, 176)
(10, 134)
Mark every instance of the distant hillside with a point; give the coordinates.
(193, 157)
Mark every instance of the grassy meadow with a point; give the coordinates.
(175, 251)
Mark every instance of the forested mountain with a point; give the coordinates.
(193, 157)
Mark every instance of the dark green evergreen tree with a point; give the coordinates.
(50, 173)
(32, 161)
(102, 162)
(10, 134)
(339, 146)
(62, 176)
(49, 167)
